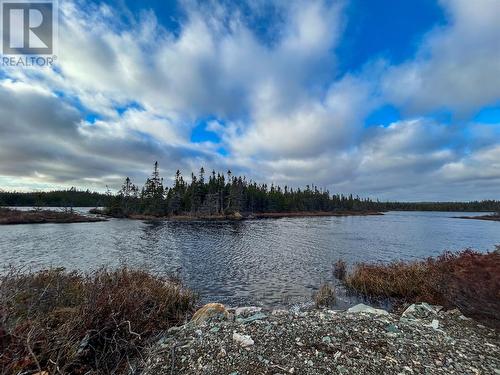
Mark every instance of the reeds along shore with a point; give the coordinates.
(469, 281)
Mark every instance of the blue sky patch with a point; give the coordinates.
(385, 115)
(200, 132)
(391, 29)
(488, 115)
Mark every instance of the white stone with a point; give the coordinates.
(362, 308)
(243, 340)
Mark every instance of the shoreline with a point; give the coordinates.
(482, 217)
(362, 339)
(239, 217)
(17, 217)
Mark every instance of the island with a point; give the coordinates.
(13, 216)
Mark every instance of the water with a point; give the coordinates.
(269, 262)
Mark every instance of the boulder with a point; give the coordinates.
(210, 312)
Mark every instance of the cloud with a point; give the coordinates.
(127, 91)
(457, 66)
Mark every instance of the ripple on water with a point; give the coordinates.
(266, 262)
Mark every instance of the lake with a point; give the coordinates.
(271, 262)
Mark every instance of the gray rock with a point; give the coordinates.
(244, 341)
(247, 310)
(327, 340)
(362, 308)
(392, 328)
(253, 318)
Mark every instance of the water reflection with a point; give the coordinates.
(267, 262)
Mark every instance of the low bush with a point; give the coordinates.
(68, 322)
(325, 296)
(340, 270)
(467, 280)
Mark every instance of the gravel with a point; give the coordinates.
(423, 340)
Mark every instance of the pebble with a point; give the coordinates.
(318, 342)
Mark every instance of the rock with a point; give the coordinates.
(247, 310)
(419, 311)
(337, 343)
(391, 328)
(211, 311)
(243, 340)
(253, 318)
(236, 216)
(434, 324)
(362, 308)
(279, 312)
(222, 353)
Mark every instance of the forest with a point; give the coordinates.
(58, 198)
(218, 194)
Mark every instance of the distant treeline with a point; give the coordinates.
(60, 198)
(474, 206)
(222, 194)
(225, 194)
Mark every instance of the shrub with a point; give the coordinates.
(467, 280)
(340, 270)
(68, 322)
(325, 296)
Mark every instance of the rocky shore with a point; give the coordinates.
(423, 339)
(11, 216)
(494, 217)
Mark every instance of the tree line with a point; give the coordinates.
(211, 194)
(58, 198)
(215, 194)
(472, 206)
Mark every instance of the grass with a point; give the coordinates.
(325, 296)
(340, 270)
(68, 322)
(467, 280)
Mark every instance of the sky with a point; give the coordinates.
(389, 99)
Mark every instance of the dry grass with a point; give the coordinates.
(66, 322)
(467, 280)
(325, 297)
(340, 270)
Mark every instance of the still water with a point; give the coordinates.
(269, 262)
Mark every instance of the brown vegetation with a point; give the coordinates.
(467, 280)
(67, 322)
(340, 270)
(325, 296)
(10, 216)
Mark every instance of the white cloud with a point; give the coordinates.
(458, 65)
(282, 112)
